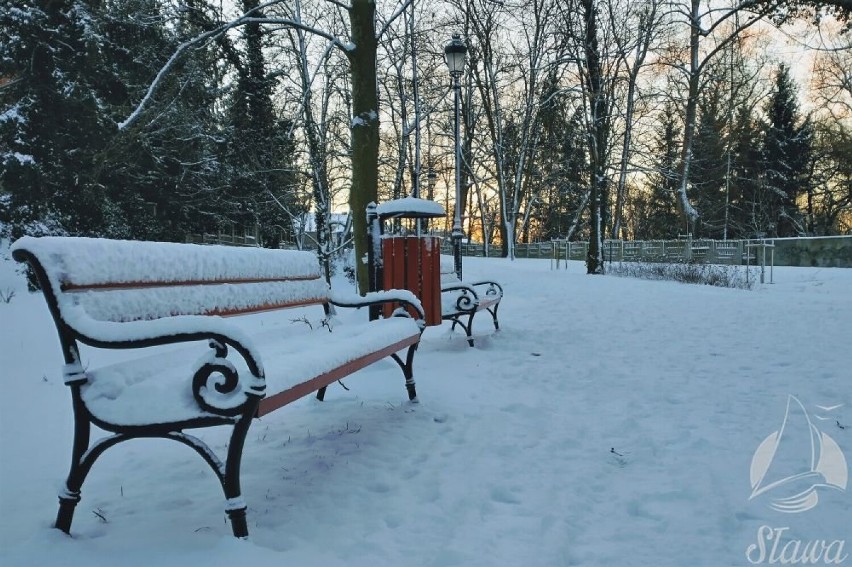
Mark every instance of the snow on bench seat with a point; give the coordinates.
(156, 388)
(462, 299)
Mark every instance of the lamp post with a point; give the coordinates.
(454, 55)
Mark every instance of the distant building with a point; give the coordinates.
(305, 229)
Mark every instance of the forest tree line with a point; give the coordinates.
(581, 119)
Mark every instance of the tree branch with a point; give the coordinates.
(200, 40)
(393, 17)
(339, 4)
(182, 48)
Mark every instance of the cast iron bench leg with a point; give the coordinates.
(236, 507)
(67, 504)
(408, 371)
(70, 495)
(494, 316)
(239, 524)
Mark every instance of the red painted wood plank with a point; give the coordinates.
(111, 286)
(431, 274)
(280, 399)
(413, 263)
(267, 307)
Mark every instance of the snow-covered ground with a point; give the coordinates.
(611, 421)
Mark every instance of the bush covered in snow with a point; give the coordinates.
(11, 275)
(688, 272)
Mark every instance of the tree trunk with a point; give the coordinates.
(597, 136)
(647, 21)
(317, 161)
(468, 129)
(365, 128)
(575, 224)
(690, 215)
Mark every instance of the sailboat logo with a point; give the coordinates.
(792, 464)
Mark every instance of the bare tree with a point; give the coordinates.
(832, 81)
(411, 88)
(316, 131)
(360, 48)
(506, 70)
(829, 198)
(720, 24)
(632, 51)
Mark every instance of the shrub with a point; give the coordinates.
(739, 277)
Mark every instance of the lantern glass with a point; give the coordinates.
(454, 55)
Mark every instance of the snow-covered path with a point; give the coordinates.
(610, 422)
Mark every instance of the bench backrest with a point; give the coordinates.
(118, 280)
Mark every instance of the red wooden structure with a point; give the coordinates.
(413, 263)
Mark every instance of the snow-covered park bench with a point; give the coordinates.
(140, 295)
(462, 299)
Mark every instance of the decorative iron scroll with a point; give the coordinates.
(466, 301)
(216, 381)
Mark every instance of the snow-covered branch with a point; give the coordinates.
(248, 18)
(155, 84)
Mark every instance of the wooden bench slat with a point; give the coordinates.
(224, 300)
(113, 286)
(266, 307)
(275, 401)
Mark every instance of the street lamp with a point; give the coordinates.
(454, 55)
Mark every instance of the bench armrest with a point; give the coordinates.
(491, 288)
(402, 296)
(168, 330)
(472, 294)
(214, 376)
(459, 286)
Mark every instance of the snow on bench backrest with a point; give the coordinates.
(448, 270)
(117, 280)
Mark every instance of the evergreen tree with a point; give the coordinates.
(261, 147)
(562, 165)
(77, 67)
(52, 123)
(786, 145)
(165, 169)
(707, 174)
(746, 190)
(663, 220)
